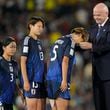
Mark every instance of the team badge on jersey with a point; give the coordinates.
(71, 52)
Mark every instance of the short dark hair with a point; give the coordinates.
(83, 31)
(33, 20)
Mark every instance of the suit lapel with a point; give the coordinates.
(104, 31)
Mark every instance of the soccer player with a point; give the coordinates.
(32, 65)
(8, 73)
(62, 57)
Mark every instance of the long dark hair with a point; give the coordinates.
(5, 42)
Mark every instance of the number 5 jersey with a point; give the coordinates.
(62, 47)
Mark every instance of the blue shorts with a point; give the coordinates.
(53, 90)
(37, 90)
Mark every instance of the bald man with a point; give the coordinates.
(99, 44)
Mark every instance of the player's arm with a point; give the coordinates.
(24, 73)
(24, 55)
(64, 73)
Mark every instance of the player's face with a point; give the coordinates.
(10, 49)
(77, 38)
(99, 15)
(37, 28)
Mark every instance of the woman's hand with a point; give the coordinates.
(26, 85)
(64, 86)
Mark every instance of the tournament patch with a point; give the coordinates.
(71, 52)
(25, 49)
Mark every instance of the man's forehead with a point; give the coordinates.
(98, 11)
(100, 8)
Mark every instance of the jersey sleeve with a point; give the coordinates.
(25, 46)
(69, 50)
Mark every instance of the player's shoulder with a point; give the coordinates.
(26, 40)
(1, 58)
(64, 39)
(67, 38)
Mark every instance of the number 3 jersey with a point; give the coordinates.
(32, 49)
(8, 73)
(62, 47)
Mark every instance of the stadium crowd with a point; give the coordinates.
(60, 17)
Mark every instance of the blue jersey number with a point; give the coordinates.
(54, 52)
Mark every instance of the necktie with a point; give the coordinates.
(98, 33)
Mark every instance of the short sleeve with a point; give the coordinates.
(25, 47)
(69, 51)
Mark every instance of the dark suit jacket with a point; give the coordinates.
(101, 52)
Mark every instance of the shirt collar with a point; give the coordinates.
(103, 22)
